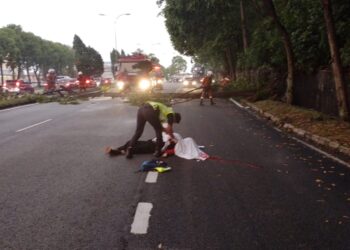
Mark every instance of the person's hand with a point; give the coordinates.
(168, 130)
(173, 140)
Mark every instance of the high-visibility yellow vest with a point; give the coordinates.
(164, 110)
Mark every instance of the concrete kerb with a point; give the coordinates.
(333, 145)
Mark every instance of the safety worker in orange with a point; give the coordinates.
(51, 80)
(82, 81)
(207, 88)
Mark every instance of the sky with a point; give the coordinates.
(60, 20)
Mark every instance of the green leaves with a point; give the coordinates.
(23, 49)
(205, 29)
(87, 59)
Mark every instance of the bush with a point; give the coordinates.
(262, 94)
(241, 84)
(7, 101)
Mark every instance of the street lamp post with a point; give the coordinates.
(115, 36)
(115, 33)
(115, 27)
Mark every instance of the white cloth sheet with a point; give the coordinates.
(188, 149)
(185, 148)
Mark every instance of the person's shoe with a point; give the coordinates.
(158, 153)
(114, 152)
(108, 150)
(211, 101)
(129, 153)
(201, 102)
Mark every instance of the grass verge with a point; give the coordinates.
(309, 120)
(12, 101)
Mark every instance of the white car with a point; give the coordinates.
(190, 82)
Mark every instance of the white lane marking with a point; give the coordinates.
(306, 144)
(22, 106)
(36, 124)
(277, 129)
(152, 177)
(237, 103)
(141, 219)
(322, 152)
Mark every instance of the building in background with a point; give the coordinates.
(107, 70)
(7, 73)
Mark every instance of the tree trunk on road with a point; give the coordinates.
(338, 75)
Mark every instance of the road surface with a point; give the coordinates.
(59, 191)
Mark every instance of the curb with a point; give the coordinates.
(323, 141)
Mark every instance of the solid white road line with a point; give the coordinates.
(151, 177)
(322, 152)
(306, 144)
(141, 219)
(39, 123)
(18, 107)
(235, 102)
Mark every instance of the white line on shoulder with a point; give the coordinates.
(235, 102)
(322, 152)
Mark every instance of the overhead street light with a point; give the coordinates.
(115, 27)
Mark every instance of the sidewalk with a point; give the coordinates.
(322, 130)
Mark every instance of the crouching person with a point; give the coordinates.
(155, 113)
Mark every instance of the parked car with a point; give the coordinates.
(87, 82)
(17, 87)
(90, 82)
(98, 81)
(106, 82)
(66, 82)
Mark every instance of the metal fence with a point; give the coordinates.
(315, 91)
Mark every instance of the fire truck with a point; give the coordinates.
(136, 73)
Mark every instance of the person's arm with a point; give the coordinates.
(169, 128)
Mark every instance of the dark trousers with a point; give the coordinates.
(146, 113)
(140, 147)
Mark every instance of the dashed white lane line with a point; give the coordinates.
(31, 126)
(237, 103)
(141, 219)
(151, 177)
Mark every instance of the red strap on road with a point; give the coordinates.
(237, 162)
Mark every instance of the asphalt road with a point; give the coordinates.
(59, 191)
